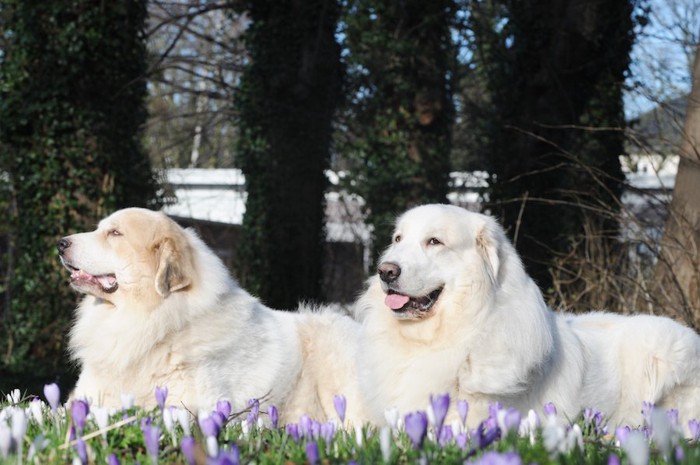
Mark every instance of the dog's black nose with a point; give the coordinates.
(62, 245)
(388, 272)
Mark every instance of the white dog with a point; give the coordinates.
(453, 311)
(162, 310)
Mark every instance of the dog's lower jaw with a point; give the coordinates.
(416, 308)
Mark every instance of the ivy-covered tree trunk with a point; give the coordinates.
(401, 66)
(287, 100)
(555, 72)
(72, 94)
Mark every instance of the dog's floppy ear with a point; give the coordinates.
(173, 266)
(487, 243)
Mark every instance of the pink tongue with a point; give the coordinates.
(107, 281)
(396, 301)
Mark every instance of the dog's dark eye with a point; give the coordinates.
(397, 238)
(114, 232)
(434, 241)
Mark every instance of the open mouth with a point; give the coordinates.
(79, 278)
(402, 303)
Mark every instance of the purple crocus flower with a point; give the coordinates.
(305, 424)
(595, 419)
(112, 459)
(312, 454)
(161, 394)
(151, 439)
(53, 395)
(679, 453)
(496, 458)
(445, 435)
(340, 404)
(223, 406)
(274, 416)
(440, 404)
(494, 407)
(146, 421)
(672, 415)
(226, 457)
(218, 418)
(315, 429)
(79, 410)
(81, 449)
(550, 409)
(647, 408)
(694, 428)
(511, 420)
(327, 431)
(621, 434)
(188, 447)
(209, 426)
(251, 420)
(293, 431)
(416, 426)
(462, 440)
(463, 410)
(613, 459)
(491, 423)
(486, 433)
(254, 405)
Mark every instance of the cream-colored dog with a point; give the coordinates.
(162, 310)
(453, 311)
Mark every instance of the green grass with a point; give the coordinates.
(49, 442)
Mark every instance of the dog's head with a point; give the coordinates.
(134, 253)
(440, 255)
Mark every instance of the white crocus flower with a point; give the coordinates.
(183, 418)
(391, 415)
(168, 420)
(101, 416)
(14, 397)
(37, 411)
(19, 424)
(39, 444)
(359, 436)
(5, 439)
(457, 427)
(18, 429)
(574, 438)
(430, 413)
(637, 448)
(553, 436)
(127, 400)
(661, 432)
(245, 428)
(212, 446)
(385, 443)
(531, 425)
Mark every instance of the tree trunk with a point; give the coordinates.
(400, 106)
(72, 89)
(554, 73)
(287, 99)
(676, 291)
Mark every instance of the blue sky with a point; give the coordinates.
(660, 68)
